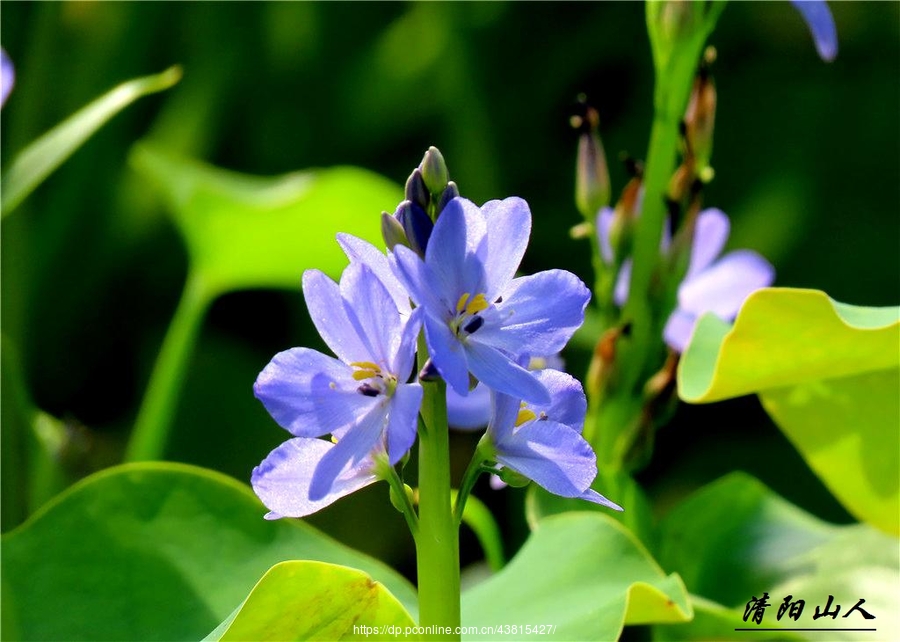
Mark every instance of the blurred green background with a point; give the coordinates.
(807, 158)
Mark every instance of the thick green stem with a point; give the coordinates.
(154, 420)
(437, 546)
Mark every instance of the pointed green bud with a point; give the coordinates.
(671, 25)
(592, 185)
(700, 116)
(434, 171)
(392, 232)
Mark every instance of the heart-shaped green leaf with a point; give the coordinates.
(257, 232)
(316, 601)
(828, 374)
(40, 158)
(153, 551)
(735, 539)
(580, 576)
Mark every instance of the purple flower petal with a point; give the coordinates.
(360, 251)
(310, 394)
(7, 76)
(353, 447)
(417, 278)
(326, 309)
(539, 313)
(469, 412)
(500, 373)
(723, 287)
(372, 313)
(508, 230)
(592, 495)
(710, 233)
(604, 221)
(623, 284)
(568, 404)
(678, 330)
(282, 480)
(456, 248)
(504, 411)
(403, 421)
(447, 354)
(818, 18)
(552, 455)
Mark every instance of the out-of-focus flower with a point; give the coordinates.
(7, 76)
(477, 317)
(361, 399)
(543, 442)
(821, 25)
(710, 285)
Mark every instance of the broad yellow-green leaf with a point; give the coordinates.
(247, 232)
(303, 600)
(153, 551)
(584, 576)
(40, 158)
(829, 375)
(735, 539)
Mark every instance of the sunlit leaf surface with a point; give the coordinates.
(584, 575)
(828, 374)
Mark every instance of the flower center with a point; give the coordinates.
(467, 318)
(526, 414)
(375, 381)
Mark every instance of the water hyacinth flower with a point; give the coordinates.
(361, 398)
(818, 18)
(710, 285)
(477, 317)
(543, 442)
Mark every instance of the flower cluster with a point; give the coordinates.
(457, 285)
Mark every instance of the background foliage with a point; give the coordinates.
(806, 156)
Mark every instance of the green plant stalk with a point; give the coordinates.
(399, 490)
(437, 545)
(617, 414)
(154, 420)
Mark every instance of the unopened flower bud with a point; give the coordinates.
(434, 171)
(700, 115)
(671, 23)
(592, 185)
(416, 225)
(398, 503)
(392, 232)
(450, 192)
(415, 190)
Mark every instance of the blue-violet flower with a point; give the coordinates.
(361, 399)
(543, 442)
(709, 285)
(818, 18)
(477, 317)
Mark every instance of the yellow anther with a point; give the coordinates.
(477, 304)
(461, 304)
(334, 439)
(367, 365)
(359, 375)
(525, 414)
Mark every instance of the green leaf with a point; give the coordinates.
(828, 374)
(153, 551)
(736, 539)
(41, 157)
(317, 601)
(255, 232)
(584, 575)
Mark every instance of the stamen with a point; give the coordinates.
(477, 304)
(366, 365)
(359, 375)
(525, 415)
(461, 303)
(474, 324)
